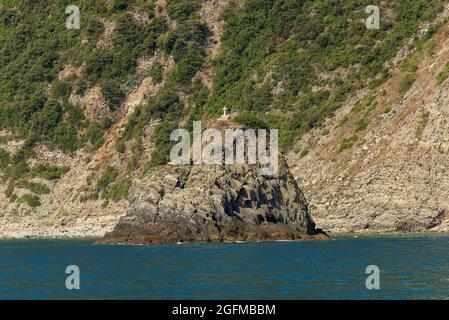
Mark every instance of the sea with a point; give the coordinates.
(397, 267)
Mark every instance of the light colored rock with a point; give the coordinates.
(394, 178)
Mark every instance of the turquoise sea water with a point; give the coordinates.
(411, 267)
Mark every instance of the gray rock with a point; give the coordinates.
(214, 203)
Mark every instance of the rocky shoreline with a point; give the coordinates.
(219, 203)
(191, 204)
(100, 239)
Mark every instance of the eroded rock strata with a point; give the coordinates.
(215, 203)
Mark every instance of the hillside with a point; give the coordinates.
(85, 114)
(380, 163)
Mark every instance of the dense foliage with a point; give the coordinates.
(305, 57)
(283, 64)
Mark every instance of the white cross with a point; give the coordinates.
(224, 111)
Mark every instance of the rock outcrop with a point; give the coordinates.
(214, 203)
(393, 177)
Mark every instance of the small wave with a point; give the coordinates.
(128, 244)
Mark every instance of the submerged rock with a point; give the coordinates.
(214, 203)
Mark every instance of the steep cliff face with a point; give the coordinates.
(381, 164)
(214, 203)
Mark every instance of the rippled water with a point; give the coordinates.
(412, 267)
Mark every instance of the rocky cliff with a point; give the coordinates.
(381, 164)
(214, 203)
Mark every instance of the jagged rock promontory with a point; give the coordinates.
(215, 203)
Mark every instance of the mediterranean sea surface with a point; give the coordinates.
(411, 267)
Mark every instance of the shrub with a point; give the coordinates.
(304, 153)
(358, 107)
(94, 133)
(118, 190)
(107, 177)
(89, 197)
(264, 42)
(347, 143)
(443, 75)
(5, 158)
(251, 120)
(94, 28)
(34, 187)
(120, 5)
(32, 200)
(406, 83)
(61, 89)
(361, 125)
(81, 88)
(342, 121)
(180, 10)
(161, 136)
(156, 72)
(49, 172)
(113, 93)
(133, 163)
(17, 170)
(120, 146)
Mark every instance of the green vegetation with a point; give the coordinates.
(137, 150)
(186, 43)
(358, 107)
(89, 197)
(443, 75)
(161, 137)
(5, 158)
(120, 146)
(6, 138)
(32, 200)
(110, 186)
(268, 42)
(424, 119)
(342, 121)
(49, 172)
(61, 89)
(347, 143)
(252, 120)
(156, 72)
(406, 83)
(277, 67)
(361, 125)
(36, 46)
(117, 190)
(304, 153)
(433, 44)
(34, 187)
(422, 47)
(16, 173)
(106, 178)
